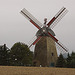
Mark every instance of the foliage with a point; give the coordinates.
(4, 55)
(69, 62)
(60, 61)
(20, 55)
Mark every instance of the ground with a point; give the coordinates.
(16, 70)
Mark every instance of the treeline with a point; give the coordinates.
(68, 62)
(18, 55)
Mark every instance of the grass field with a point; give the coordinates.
(16, 70)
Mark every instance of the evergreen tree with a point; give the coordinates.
(68, 65)
(4, 55)
(72, 64)
(61, 61)
(71, 60)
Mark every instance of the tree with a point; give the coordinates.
(68, 65)
(4, 55)
(61, 61)
(72, 60)
(20, 54)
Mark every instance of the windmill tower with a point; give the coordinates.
(45, 53)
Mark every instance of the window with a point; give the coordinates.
(52, 54)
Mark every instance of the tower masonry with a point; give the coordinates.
(45, 53)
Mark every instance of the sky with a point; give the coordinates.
(15, 28)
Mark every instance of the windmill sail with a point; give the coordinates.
(58, 42)
(51, 24)
(57, 17)
(34, 41)
(32, 19)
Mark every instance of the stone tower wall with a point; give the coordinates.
(45, 52)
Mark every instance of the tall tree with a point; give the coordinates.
(61, 61)
(4, 55)
(68, 65)
(72, 60)
(20, 54)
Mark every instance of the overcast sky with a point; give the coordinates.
(15, 28)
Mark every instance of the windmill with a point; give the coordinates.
(45, 53)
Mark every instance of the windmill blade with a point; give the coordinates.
(58, 47)
(32, 19)
(34, 41)
(62, 12)
(58, 42)
(58, 19)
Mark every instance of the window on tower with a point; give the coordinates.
(52, 54)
